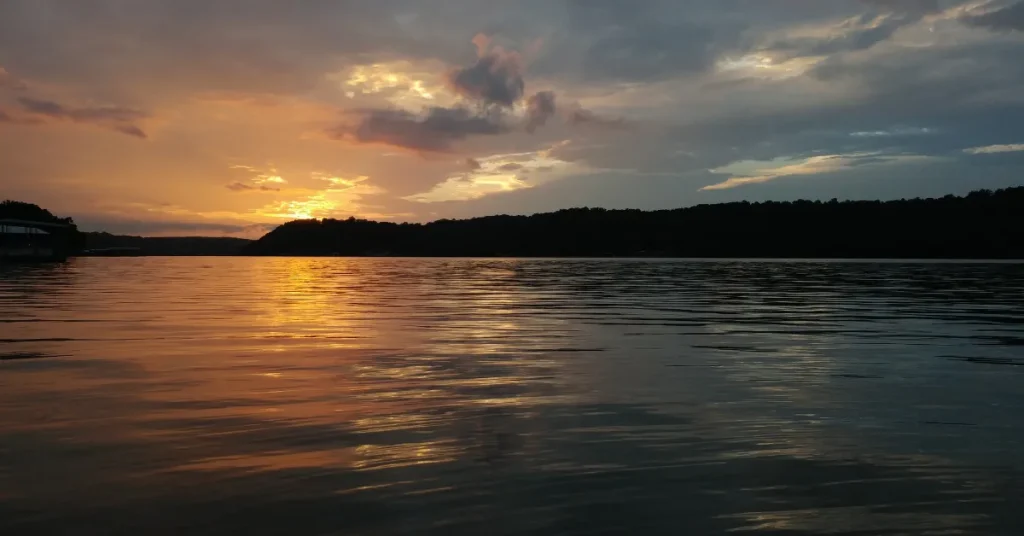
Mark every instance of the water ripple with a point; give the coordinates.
(503, 396)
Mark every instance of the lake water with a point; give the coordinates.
(417, 396)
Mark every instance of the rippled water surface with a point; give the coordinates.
(401, 396)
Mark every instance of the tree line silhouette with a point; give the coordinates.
(982, 224)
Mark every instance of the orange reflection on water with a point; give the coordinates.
(275, 461)
(295, 367)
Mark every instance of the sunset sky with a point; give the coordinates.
(215, 117)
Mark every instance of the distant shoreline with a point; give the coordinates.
(809, 260)
(983, 225)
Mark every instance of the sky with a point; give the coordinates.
(229, 117)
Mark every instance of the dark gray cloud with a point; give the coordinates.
(643, 41)
(649, 51)
(434, 132)
(473, 164)
(590, 14)
(582, 116)
(111, 117)
(511, 166)
(1009, 18)
(495, 79)
(539, 108)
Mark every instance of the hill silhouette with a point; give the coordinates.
(982, 224)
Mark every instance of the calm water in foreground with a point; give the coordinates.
(391, 396)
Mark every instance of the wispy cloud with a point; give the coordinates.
(495, 174)
(894, 132)
(766, 171)
(1009, 18)
(243, 187)
(260, 180)
(994, 149)
(117, 118)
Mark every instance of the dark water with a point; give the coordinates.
(389, 396)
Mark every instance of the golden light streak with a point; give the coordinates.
(399, 80)
(498, 173)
